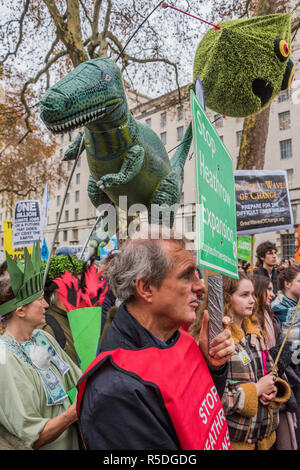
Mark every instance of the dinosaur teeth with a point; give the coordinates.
(78, 121)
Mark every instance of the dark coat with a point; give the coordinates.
(120, 413)
(261, 271)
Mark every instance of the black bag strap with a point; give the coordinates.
(58, 331)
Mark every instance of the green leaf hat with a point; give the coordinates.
(245, 64)
(26, 280)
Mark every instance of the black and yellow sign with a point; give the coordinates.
(262, 201)
(17, 253)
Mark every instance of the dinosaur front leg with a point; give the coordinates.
(73, 149)
(166, 200)
(102, 202)
(96, 195)
(131, 166)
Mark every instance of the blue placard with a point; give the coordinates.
(44, 251)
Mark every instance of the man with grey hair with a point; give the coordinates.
(152, 386)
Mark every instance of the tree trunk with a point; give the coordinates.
(256, 127)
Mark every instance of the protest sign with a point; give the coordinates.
(27, 223)
(17, 253)
(262, 201)
(215, 208)
(244, 248)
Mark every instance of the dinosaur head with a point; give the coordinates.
(91, 92)
(245, 64)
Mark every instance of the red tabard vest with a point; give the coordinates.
(182, 376)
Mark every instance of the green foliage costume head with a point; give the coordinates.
(26, 280)
(62, 263)
(245, 64)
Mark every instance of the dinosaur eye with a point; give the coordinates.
(282, 49)
(107, 78)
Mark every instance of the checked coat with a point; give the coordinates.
(251, 424)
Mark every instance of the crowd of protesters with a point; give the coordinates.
(154, 364)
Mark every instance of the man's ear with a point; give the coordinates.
(144, 289)
(20, 311)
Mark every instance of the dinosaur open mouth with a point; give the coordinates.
(262, 89)
(76, 122)
(81, 118)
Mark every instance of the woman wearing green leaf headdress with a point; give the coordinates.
(35, 373)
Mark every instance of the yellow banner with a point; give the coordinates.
(18, 253)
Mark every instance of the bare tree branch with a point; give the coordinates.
(57, 17)
(21, 22)
(85, 12)
(246, 12)
(127, 57)
(107, 17)
(34, 80)
(95, 22)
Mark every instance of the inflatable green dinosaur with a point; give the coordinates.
(125, 157)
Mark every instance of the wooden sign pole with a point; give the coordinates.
(215, 305)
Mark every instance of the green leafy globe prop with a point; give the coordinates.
(245, 64)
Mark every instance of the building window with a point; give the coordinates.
(76, 196)
(218, 120)
(75, 234)
(179, 133)
(61, 153)
(77, 178)
(70, 136)
(286, 149)
(180, 113)
(288, 245)
(79, 162)
(290, 174)
(66, 216)
(56, 216)
(239, 138)
(190, 223)
(283, 96)
(221, 138)
(76, 214)
(163, 137)
(61, 138)
(58, 201)
(148, 122)
(65, 235)
(163, 119)
(67, 198)
(284, 120)
(70, 166)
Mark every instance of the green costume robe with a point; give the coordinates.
(24, 408)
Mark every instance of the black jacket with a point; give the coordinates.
(261, 271)
(119, 412)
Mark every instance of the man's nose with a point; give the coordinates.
(198, 285)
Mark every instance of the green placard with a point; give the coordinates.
(244, 247)
(215, 209)
(85, 324)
